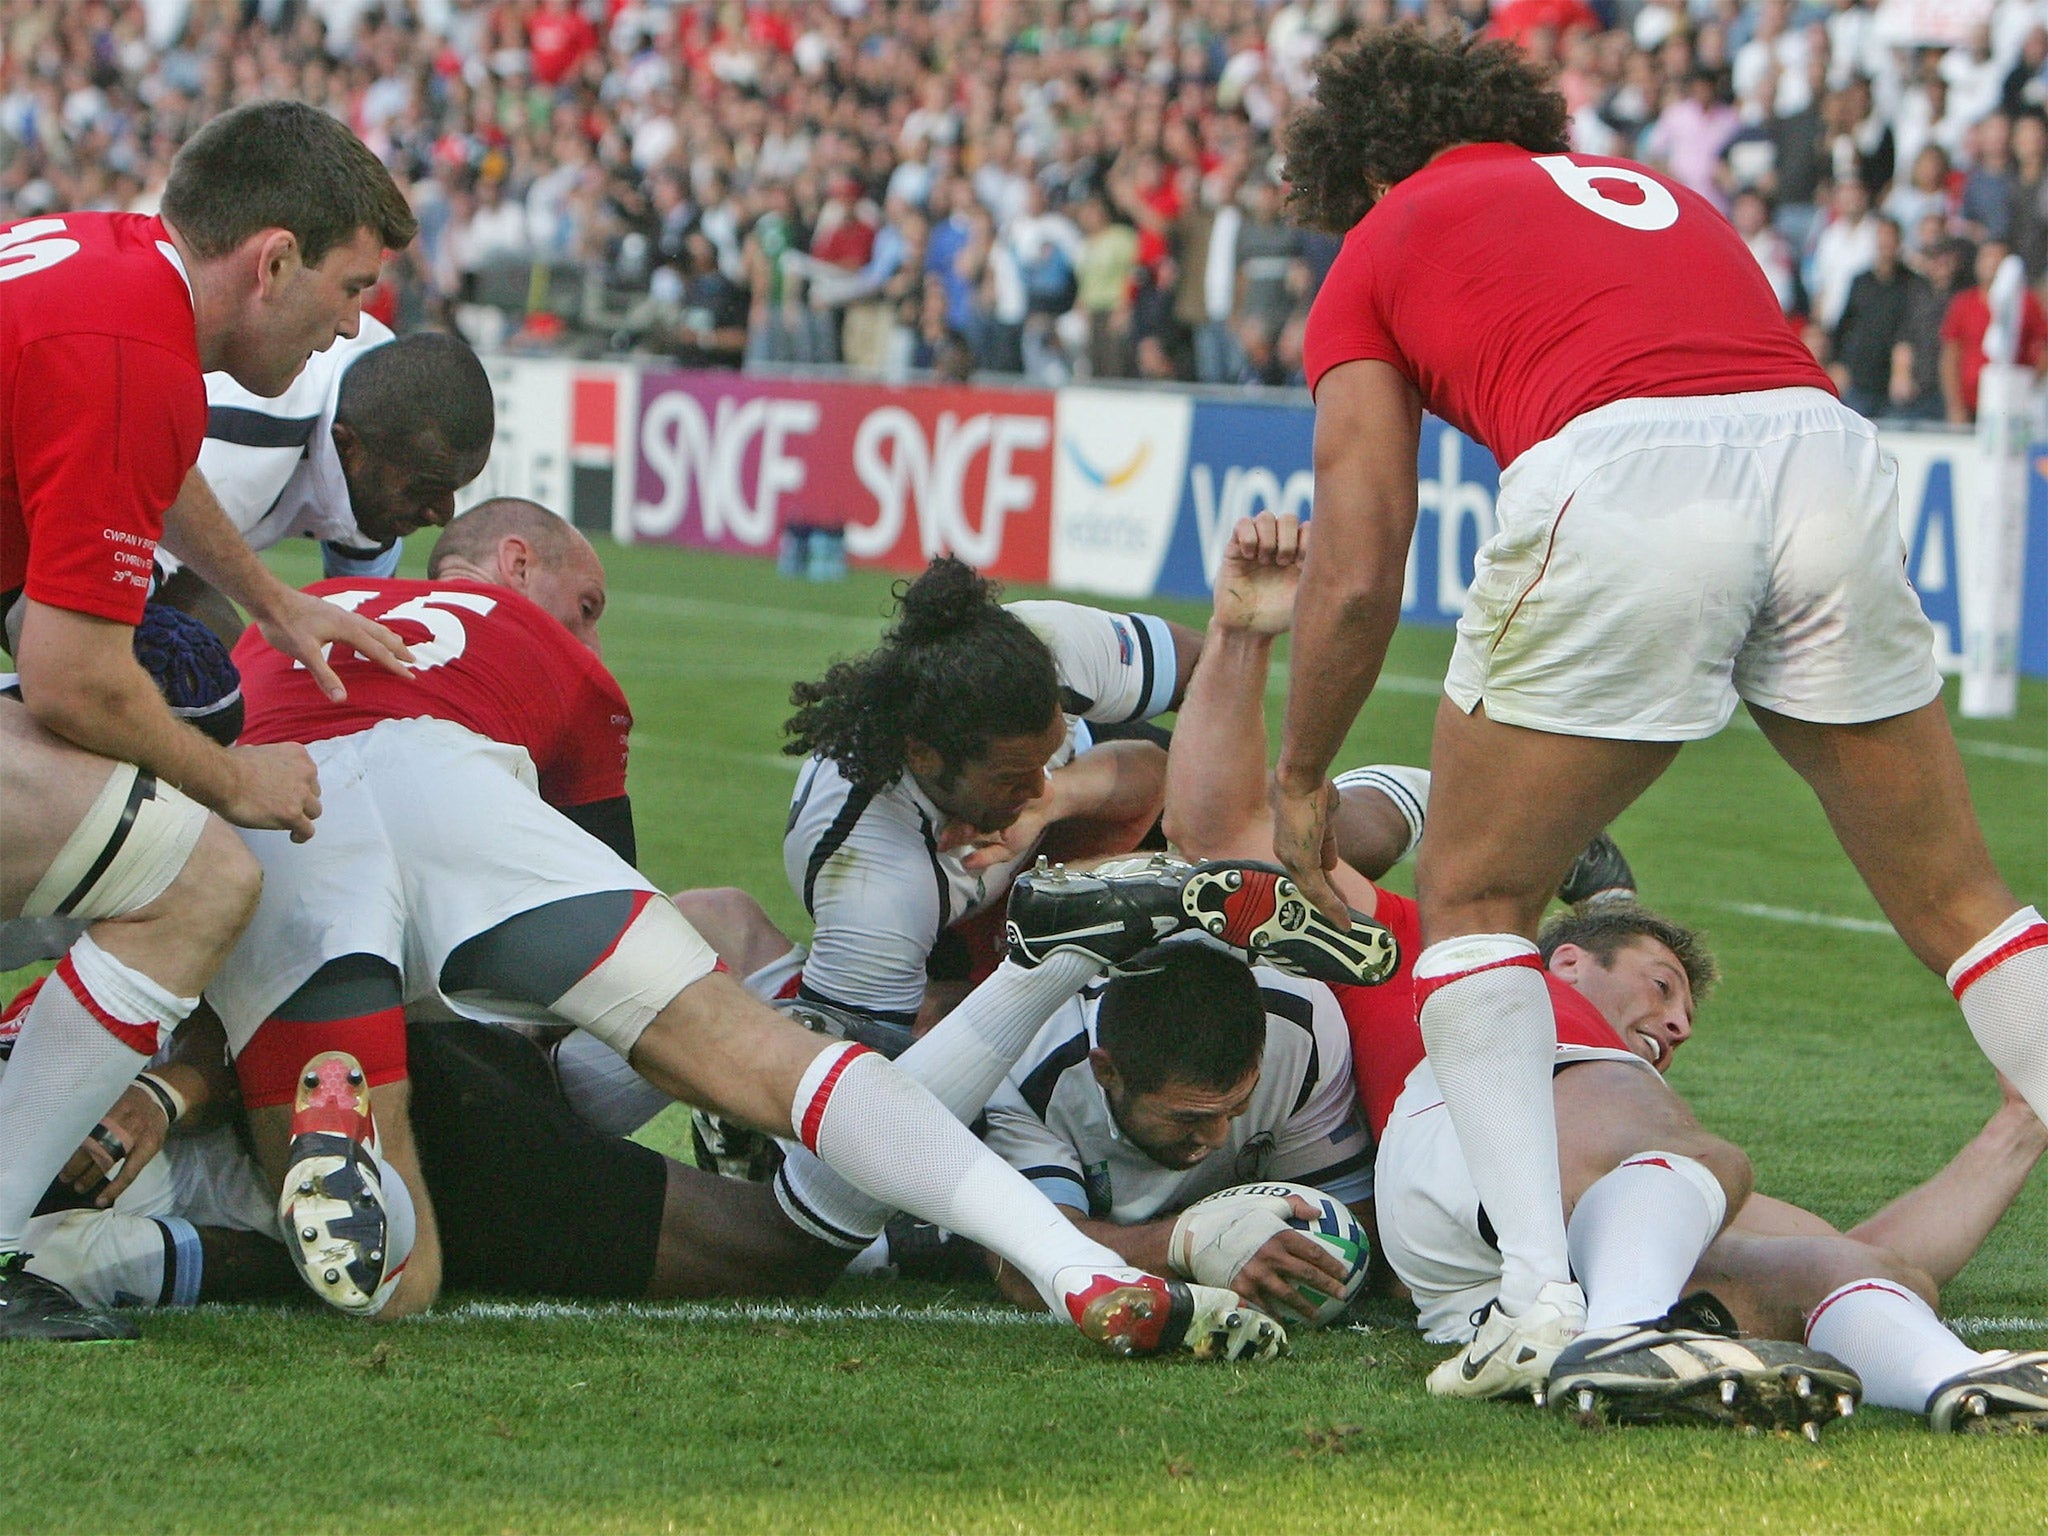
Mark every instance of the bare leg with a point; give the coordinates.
(724, 1237)
(1509, 811)
(1896, 795)
(1609, 1110)
(735, 925)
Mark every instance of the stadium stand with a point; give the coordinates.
(1066, 189)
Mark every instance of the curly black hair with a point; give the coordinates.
(956, 671)
(1385, 104)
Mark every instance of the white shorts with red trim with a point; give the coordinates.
(429, 835)
(1431, 1227)
(1657, 560)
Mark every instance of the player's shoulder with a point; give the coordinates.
(108, 274)
(1057, 1051)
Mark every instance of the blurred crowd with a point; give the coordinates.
(1073, 188)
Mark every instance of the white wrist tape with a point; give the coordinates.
(1217, 1237)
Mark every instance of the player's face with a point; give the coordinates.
(302, 309)
(1644, 994)
(1178, 1124)
(398, 493)
(991, 792)
(573, 590)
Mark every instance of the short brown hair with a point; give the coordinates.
(282, 165)
(1605, 928)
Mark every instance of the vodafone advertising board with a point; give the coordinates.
(724, 461)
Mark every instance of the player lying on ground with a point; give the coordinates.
(274, 221)
(447, 874)
(1646, 1187)
(1688, 519)
(1187, 1075)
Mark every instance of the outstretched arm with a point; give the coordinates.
(1940, 1225)
(1216, 769)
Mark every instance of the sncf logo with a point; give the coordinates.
(1656, 209)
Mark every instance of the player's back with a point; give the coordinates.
(1519, 290)
(484, 658)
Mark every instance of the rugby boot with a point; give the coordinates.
(332, 1210)
(1132, 1313)
(34, 1309)
(732, 1150)
(1119, 909)
(1600, 873)
(1512, 1356)
(2009, 1393)
(1663, 1372)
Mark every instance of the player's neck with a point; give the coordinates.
(212, 304)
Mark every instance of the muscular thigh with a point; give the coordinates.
(1610, 1110)
(46, 787)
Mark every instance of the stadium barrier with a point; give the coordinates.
(1111, 492)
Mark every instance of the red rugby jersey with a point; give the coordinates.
(102, 406)
(1386, 1042)
(484, 658)
(1517, 291)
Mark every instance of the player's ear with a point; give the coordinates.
(1104, 1067)
(1566, 961)
(921, 759)
(277, 259)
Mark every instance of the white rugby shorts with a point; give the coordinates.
(1428, 1211)
(429, 835)
(1657, 560)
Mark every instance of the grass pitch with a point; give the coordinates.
(1841, 1066)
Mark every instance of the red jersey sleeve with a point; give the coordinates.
(105, 428)
(590, 761)
(1953, 324)
(1345, 323)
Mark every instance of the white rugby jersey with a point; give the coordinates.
(867, 867)
(1051, 1122)
(273, 464)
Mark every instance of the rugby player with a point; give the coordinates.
(1190, 1073)
(274, 222)
(1623, 986)
(446, 875)
(1688, 518)
(370, 443)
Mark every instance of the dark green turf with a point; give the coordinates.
(1840, 1065)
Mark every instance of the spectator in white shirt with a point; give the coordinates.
(1847, 246)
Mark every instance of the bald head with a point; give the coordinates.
(510, 542)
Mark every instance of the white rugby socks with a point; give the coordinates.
(962, 1060)
(94, 1024)
(1892, 1339)
(2002, 985)
(1637, 1232)
(1491, 1036)
(886, 1135)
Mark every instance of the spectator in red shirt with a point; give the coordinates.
(559, 37)
(1962, 335)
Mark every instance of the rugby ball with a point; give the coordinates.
(1334, 1226)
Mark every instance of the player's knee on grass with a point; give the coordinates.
(735, 925)
(1611, 1110)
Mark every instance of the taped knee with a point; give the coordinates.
(655, 955)
(124, 853)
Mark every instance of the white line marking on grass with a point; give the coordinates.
(1809, 919)
(1390, 682)
(1973, 1327)
(2004, 750)
(741, 1312)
